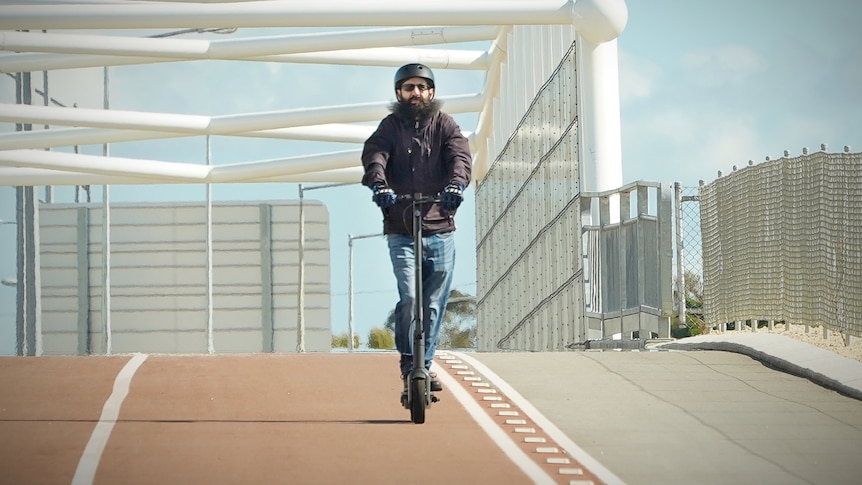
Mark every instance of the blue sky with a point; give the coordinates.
(704, 86)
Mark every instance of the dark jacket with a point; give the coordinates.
(417, 157)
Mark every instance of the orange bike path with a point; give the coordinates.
(230, 419)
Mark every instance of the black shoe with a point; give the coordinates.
(435, 384)
(404, 392)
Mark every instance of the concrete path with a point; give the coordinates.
(755, 409)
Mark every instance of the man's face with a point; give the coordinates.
(416, 90)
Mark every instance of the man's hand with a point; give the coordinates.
(384, 197)
(451, 197)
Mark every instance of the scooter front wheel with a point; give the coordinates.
(417, 401)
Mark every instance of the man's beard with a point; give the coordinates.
(418, 111)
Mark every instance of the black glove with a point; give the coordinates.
(384, 197)
(451, 197)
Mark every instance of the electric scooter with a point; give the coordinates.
(418, 396)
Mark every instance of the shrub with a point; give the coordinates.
(381, 338)
(339, 341)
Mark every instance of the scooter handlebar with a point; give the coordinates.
(419, 198)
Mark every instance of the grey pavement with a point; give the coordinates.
(731, 408)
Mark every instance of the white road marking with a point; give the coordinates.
(89, 462)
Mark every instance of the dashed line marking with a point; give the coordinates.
(571, 471)
(519, 457)
(547, 449)
(482, 382)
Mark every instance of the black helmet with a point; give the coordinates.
(413, 70)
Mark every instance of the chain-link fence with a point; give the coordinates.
(688, 258)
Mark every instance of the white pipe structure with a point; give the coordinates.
(383, 40)
(331, 132)
(25, 176)
(600, 104)
(378, 56)
(484, 126)
(321, 13)
(175, 172)
(164, 125)
(233, 49)
(214, 125)
(387, 33)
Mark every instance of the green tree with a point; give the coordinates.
(339, 341)
(381, 338)
(458, 330)
(694, 324)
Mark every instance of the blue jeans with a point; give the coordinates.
(438, 265)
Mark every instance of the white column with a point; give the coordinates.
(601, 142)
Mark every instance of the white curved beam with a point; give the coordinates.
(392, 57)
(597, 22)
(238, 48)
(379, 56)
(491, 89)
(137, 125)
(600, 21)
(67, 137)
(16, 176)
(334, 132)
(117, 119)
(319, 13)
(214, 125)
(154, 171)
(150, 170)
(242, 172)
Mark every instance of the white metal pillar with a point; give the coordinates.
(350, 239)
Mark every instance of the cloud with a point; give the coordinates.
(723, 65)
(732, 141)
(688, 144)
(638, 77)
(668, 127)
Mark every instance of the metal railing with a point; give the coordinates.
(628, 260)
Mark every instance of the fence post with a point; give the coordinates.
(680, 273)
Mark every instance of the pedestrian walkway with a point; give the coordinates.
(723, 408)
(786, 354)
